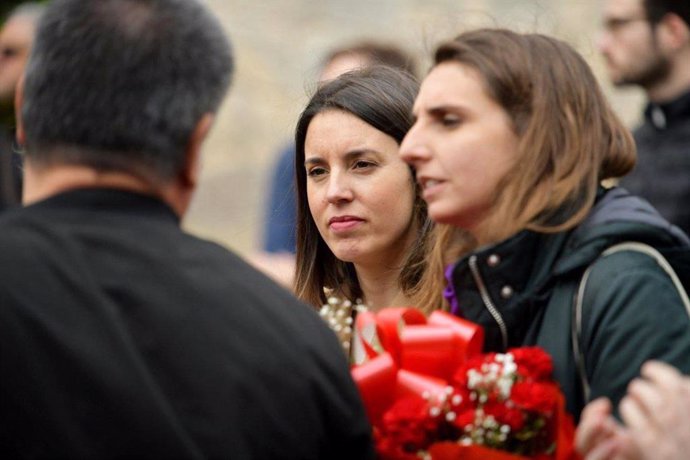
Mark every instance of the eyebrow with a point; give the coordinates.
(438, 110)
(349, 156)
(443, 108)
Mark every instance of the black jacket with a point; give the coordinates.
(662, 173)
(631, 310)
(123, 337)
(10, 171)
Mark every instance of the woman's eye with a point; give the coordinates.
(361, 164)
(314, 172)
(450, 120)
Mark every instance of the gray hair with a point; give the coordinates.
(121, 84)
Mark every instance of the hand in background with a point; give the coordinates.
(598, 435)
(656, 412)
(656, 416)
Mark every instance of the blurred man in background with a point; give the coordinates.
(646, 43)
(16, 37)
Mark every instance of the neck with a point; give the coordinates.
(677, 83)
(381, 287)
(41, 182)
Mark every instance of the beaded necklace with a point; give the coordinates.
(340, 315)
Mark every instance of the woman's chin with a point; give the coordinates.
(441, 217)
(347, 254)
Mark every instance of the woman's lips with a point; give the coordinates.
(431, 187)
(344, 223)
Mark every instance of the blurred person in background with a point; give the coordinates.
(646, 43)
(122, 336)
(16, 37)
(277, 258)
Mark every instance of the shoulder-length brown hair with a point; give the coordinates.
(569, 137)
(569, 140)
(382, 97)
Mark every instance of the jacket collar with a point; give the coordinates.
(516, 275)
(109, 200)
(511, 276)
(666, 114)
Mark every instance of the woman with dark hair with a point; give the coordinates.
(362, 228)
(511, 141)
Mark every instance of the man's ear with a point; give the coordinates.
(18, 103)
(192, 165)
(674, 33)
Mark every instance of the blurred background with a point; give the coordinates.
(279, 46)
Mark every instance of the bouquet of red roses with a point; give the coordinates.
(488, 406)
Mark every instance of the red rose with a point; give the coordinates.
(532, 362)
(388, 449)
(462, 419)
(408, 424)
(460, 400)
(512, 417)
(460, 376)
(540, 397)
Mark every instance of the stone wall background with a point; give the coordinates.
(278, 45)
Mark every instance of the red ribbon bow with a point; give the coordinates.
(410, 354)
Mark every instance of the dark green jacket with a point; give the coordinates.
(522, 292)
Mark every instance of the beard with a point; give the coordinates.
(656, 71)
(649, 72)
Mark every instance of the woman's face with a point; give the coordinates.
(461, 146)
(360, 192)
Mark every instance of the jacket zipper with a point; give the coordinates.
(488, 303)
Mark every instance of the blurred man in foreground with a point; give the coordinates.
(120, 335)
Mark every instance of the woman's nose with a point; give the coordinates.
(412, 148)
(339, 189)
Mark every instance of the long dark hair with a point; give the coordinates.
(383, 98)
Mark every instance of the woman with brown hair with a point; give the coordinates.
(511, 141)
(362, 231)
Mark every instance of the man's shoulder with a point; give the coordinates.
(20, 230)
(145, 260)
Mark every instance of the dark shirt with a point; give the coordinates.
(662, 173)
(10, 171)
(122, 336)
